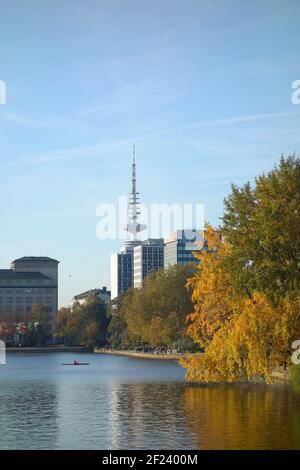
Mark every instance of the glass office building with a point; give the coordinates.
(179, 247)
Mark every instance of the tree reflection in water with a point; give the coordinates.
(244, 416)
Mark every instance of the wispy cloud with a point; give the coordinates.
(18, 119)
(224, 122)
(86, 151)
(103, 148)
(53, 122)
(129, 98)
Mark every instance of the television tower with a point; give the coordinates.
(133, 227)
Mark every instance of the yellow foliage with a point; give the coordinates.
(244, 337)
(242, 349)
(212, 294)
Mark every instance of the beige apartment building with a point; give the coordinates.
(31, 280)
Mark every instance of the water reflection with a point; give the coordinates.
(149, 415)
(122, 416)
(121, 403)
(244, 417)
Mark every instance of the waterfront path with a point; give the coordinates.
(139, 354)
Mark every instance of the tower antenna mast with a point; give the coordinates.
(133, 227)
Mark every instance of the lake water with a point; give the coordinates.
(126, 403)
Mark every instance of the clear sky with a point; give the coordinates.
(203, 88)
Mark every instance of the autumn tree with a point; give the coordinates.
(246, 287)
(242, 349)
(213, 295)
(245, 337)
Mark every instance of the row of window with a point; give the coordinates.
(186, 256)
(153, 255)
(27, 300)
(26, 290)
(153, 261)
(19, 308)
(22, 281)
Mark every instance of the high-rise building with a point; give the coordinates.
(122, 261)
(179, 247)
(121, 271)
(147, 258)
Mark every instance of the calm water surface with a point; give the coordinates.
(127, 403)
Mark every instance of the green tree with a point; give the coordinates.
(156, 313)
(40, 322)
(90, 334)
(262, 226)
(85, 324)
(117, 329)
(62, 327)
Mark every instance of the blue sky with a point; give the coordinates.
(203, 88)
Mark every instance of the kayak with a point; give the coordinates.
(77, 364)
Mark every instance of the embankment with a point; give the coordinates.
(139, 354)
(50, 349)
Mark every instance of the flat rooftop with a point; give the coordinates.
(35, 258)
(12, 274)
